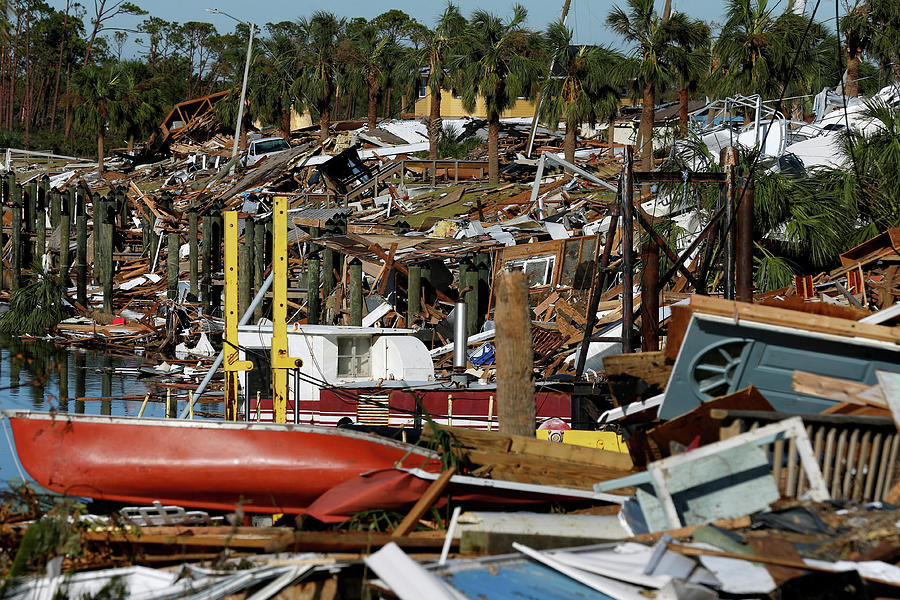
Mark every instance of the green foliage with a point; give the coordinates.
(771, 272)
(37, 307)
(448, 147)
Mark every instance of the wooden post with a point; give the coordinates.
(414, 293)
(243, 279)
(106, 387)
(729, 160)
(16, 236)
(107, 271)
(81, 251)
(40, 221)
(54, 201)
(193, 237)
(744, 276)
(172, 265)
(250, 243)
(29, 201)
(124, 208)
(327, 273)
(483, 264)
(312, 289)
(472, 300)
(649, 294)
(515, 360)
(627, 201)
(206, 262)
(97, 232)
(259, 267)
(145, 237)
(65, 259)
(356, 295)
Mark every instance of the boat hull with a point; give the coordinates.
(204, 464)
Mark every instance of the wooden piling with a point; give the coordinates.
(65, 224)
(744, 243)
(327, 273)
(54, 202)
(312, 289)
(40, 222)
(29, 199)
(515, 360)
(356, 295)
(206, 265)
(414, 293)
(97, 233)
(627, 201)
(16, 236)
(107, 270)
(649, 294)
(244, 280)
(193, 238)
(81, 251)
(172, 265)
(472, 300)
(250, 243)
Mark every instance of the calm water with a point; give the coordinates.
(41, 376)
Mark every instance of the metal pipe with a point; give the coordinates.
(260, 295)
(460, 337)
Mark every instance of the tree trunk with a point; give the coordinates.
(493, 150)
(373, 101)
(646, 128)
(97, 25)
(100, 150)
(569, 141)
(62, 47)
(852, 86)
(434, 125)
(683, 109)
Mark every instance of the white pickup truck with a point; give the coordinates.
(263, 148)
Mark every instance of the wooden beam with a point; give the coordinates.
(431, 494)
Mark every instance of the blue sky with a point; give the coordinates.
(586, 17)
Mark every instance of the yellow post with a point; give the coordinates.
(281, 359)
(233, 364)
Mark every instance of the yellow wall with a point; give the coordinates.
(453, 107)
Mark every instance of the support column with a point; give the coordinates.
(40, 222)
(206, 262)
(649, 295)
(65, 259)
(729, 160)
(193, 240)
(172, 265)
(107, 270)
(744, 277)
(233, 274)
(81, 250)
(356, 295)
(312, 289)
(515, 359)
(627, 200)
(244, 282)
(414, 294)
(16, 237)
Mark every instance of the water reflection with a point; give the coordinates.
(36, 375)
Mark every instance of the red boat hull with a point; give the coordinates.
(204, 464)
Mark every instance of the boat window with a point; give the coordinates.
(353, 356)
(538, 270)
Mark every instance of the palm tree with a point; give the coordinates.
(366, 51)
(884, 16)
(438, 46)
(692, 67)
(98, 101)
(274, 73)
(500, 62)
(758, 51)
(658, 48)
(583, 91)
(857, 30)
(318, 58)
(141, 100)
